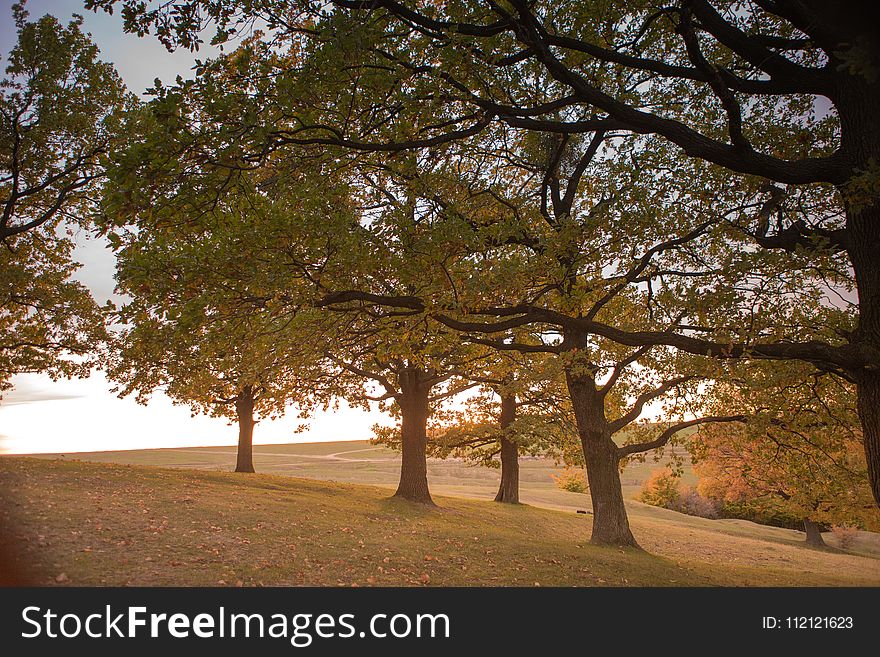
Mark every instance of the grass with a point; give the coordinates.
(92, 523)
(359, 462)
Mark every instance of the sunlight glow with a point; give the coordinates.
(42, 416)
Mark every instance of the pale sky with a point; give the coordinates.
(42, 415)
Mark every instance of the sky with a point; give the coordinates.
(80, 415)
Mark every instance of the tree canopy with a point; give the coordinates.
(60, 108)
(777, 92)
(799, 455)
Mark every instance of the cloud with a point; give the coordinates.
(16, 397)
(30, 388)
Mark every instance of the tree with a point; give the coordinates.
(736, 86)
(184, 334)
(531, 237)
(452, 230)
(416, 363)
(59, 111)
(398, 96)
(520, 409)
(48, 322)
(798, 455)
(216, 278)
(412, 388)
(237, 244)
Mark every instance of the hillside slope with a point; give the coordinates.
(79, 523)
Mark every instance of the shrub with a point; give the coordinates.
(661, 489)
(692, 503)
(572, 480)
(846, 537)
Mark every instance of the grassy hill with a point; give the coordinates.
(359, 462)
(90, 523)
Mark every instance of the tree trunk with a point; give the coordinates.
(610, 522)
(508, 491)
(414, 410)
(864, 228)
(857, 103)
(244, 409)
(814, 536)
(868, 405)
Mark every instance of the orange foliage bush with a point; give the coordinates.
(572, 480)
(663, 488)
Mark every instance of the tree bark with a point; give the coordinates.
(864, 227)
(610, 522)
(864, 254)
(244, 409)
(814, 536)
(857, 103)
(414, 410)
(508, 490)
(868, 405)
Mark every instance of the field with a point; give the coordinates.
(87, 520)
(359, 462)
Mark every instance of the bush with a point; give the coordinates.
(573, 481)
(846, 537)
(692, 503)
(663, 488)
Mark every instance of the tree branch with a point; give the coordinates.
(633, 413)
(667, 435)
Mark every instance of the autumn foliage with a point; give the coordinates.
(572, 480)
(665, 489)
(800, 455)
